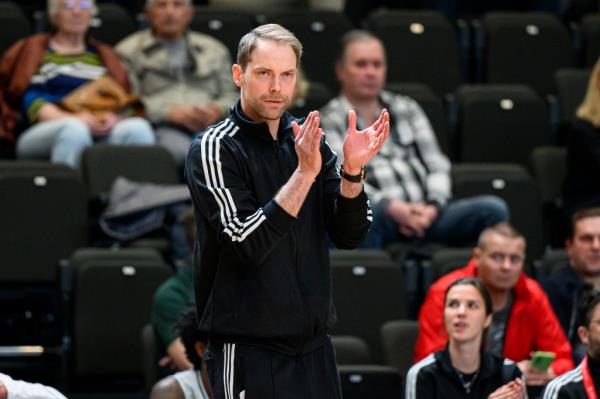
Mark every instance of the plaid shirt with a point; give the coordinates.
(410, 166)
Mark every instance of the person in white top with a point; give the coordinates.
(191, 383)
(16, 389)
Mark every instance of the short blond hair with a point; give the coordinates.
(503, 229)
(273, 32)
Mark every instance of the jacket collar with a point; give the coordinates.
(489, 363)
(261, 129)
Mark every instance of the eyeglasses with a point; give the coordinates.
(82, 4)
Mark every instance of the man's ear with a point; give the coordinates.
(477, 254)
(584, 335)
(238, 74)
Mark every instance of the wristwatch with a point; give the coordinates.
(359, 178)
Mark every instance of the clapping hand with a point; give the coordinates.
(307, 139)
(362, 145)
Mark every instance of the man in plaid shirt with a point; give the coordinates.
(408, 182)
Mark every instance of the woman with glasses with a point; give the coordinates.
(464, 369)
(40, 71)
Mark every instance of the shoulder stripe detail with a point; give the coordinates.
(553, 388)
(211, 162)
(411, 377)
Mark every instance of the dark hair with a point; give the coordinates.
(475, 282)
(187, 326)
(352, 36)
(580, 215)
(586, 306)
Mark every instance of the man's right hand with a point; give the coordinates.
(307, 140)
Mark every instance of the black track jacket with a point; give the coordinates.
(261, 274)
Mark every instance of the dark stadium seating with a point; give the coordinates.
(525, 48)
(421, 46)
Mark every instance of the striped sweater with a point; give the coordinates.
(57, 76)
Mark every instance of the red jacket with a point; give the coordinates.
(532, 324)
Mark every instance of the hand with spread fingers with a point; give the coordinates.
(307, 143)
(362, 145)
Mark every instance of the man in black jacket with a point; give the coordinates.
(266, 193)
(566, 286)
(583, 382)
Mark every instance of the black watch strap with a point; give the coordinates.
(359, 178)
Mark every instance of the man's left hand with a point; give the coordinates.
(362, 145)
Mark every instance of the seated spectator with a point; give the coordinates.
(463, 369)
(183, 77)
(38, 72)
(581, 189)
(191, 383)
(522, 320)
(16, 389)
(408, 181)
(170, 299)
(584, 381)
(566, 287)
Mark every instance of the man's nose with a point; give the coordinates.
(275, 84)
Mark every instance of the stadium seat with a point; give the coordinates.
(150, 356)
(512, 183)
(101, 164)
(590, 29)
(43, 210)
(447, 260)
(14, 22)
(571, 87)
(398, 339)
(109, 293)
(500, 123)
(224, 25)
(549, 170)
(319, 31)
(370, 381)
(421, 46)
(351, 350)
(526, 48)
(367, 291)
